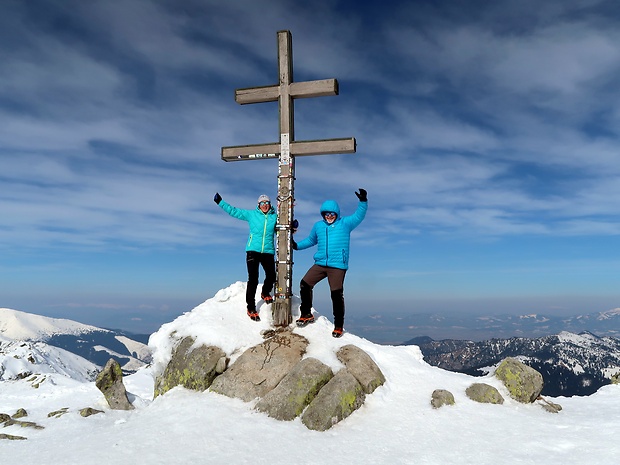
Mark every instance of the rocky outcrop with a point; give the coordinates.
(441, 397)
(88, 411)
(23, 424)
(286, 385)
(484, 393)
(110, 383)
(362, 367)
(548, 406)
(338, 399)
(58, 413)
(20, 413)
(11, 437)
(191, 367)
(260, 368)
(523, 383)
(298, 388)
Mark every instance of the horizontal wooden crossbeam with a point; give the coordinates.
(320, 88)
(298, 148)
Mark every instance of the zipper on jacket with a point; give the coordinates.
(326, 245)
(262, 249)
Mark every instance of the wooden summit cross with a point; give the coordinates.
(286, 150)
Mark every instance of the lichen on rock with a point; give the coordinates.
(110, 383)
(523, 382)
(484, 393)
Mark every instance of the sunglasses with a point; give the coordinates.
(330, 214)
(264, 203)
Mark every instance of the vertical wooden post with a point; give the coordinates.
(282, 313)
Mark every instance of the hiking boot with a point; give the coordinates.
(253, 314)
(304, 320)
(267, 298)
(337, 332)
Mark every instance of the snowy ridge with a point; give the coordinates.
(137, 349)
(534, 317)
(609, 314)
(21, 326)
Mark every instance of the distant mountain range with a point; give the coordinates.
(393, 328)
(36, 344)
(573, 361)
(571, 364)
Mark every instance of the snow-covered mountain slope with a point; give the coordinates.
(96, 345)
(21, 326)
(31, 360)
(571, 364)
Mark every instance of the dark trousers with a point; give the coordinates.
(253, 260)
(335, 278)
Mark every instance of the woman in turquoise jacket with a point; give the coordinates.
(332, 237)
(259, 250)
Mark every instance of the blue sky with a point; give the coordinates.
(487, 138)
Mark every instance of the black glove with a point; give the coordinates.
(294, 244)
(217, 198)
(362, 195)
(295, 225)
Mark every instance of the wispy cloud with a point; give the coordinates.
(497, 120)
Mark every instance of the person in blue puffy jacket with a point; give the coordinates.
(332, 236)
(259, 249)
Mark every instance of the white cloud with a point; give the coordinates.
(462, 125)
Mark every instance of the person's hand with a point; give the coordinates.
(294, 226)
(217, 198)
(362, 195)
(294, 244)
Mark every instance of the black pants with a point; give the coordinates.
(253, 260)
(335, 277)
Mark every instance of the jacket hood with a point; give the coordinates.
(330, 206)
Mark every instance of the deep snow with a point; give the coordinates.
(396, 425)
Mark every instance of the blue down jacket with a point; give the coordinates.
(262, 227)
(333, 240)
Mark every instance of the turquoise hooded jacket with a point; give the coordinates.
(262, 227)
(333, 240)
